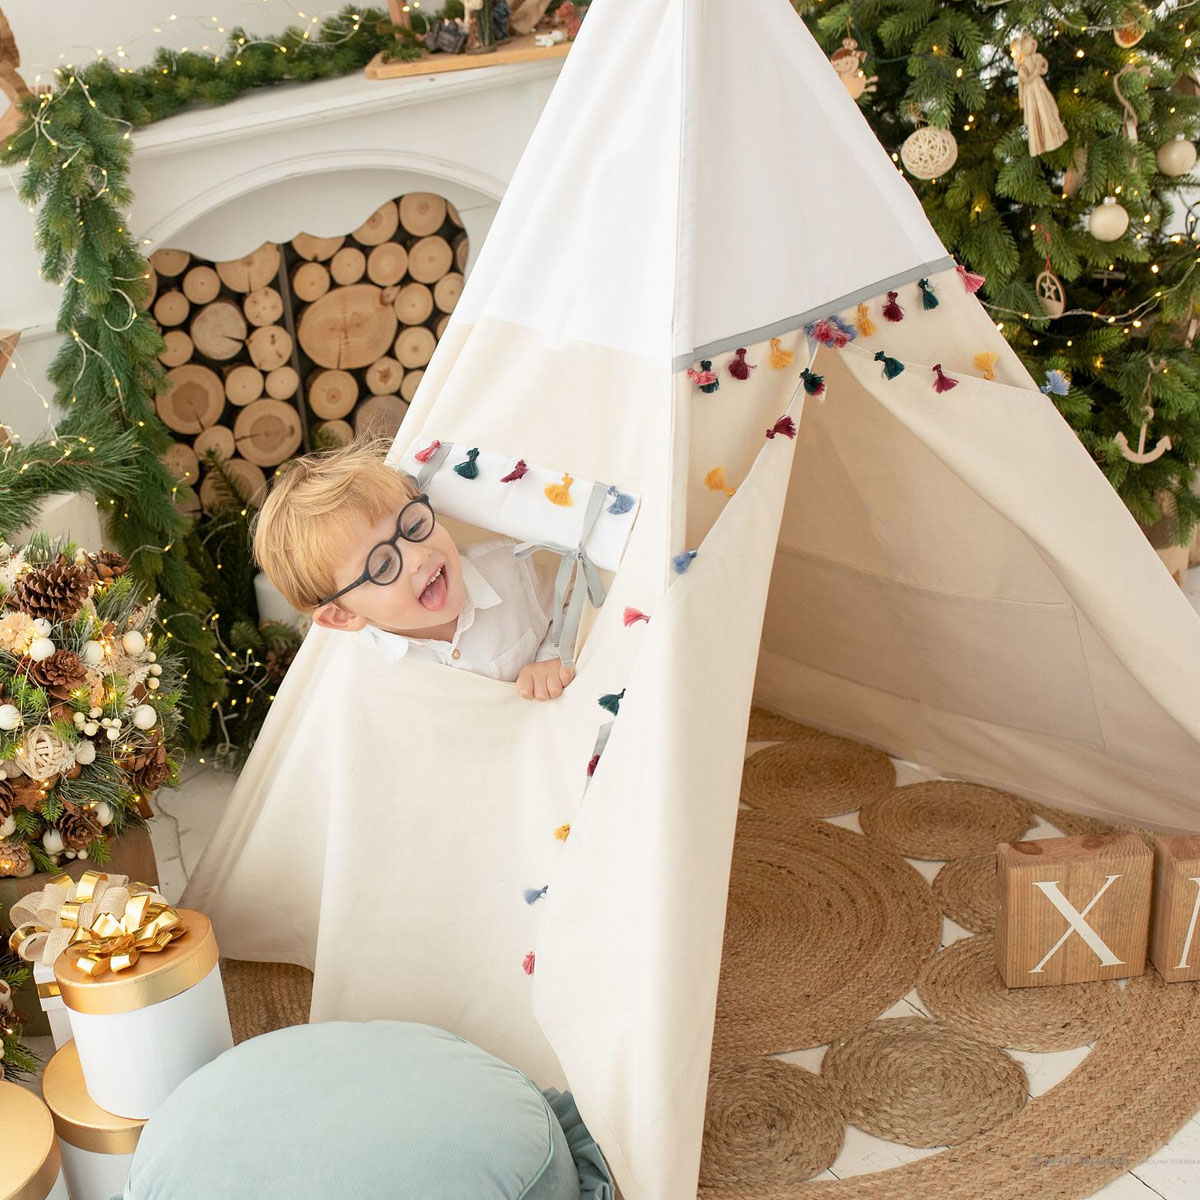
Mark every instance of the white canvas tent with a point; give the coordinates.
(950, 578)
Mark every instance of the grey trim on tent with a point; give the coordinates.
(776, 328)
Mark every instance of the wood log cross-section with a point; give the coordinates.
(348, 327)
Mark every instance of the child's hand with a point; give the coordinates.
(544, 680)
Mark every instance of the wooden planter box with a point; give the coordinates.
(132, 855)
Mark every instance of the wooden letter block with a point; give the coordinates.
(1175, 935)
(1072, 909)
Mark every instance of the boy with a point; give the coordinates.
(348, 539)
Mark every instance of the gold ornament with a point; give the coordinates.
(1043, 126)
(929, 152)
(847, 62)
(1108, 221)
(1050, 294)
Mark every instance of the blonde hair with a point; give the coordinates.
(317, 507)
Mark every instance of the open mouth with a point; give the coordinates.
(433, 595)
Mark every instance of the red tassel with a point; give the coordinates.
(515, 473)
(891, 310)
(784, 425)
(592, 765)
(971, 281)
(633, 615)
(739, 368)
(423, 456)
(943, 382)
(527, 965)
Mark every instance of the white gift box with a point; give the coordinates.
(141, 1031)
(50, 999)
(96, 1146)
(30, 1161)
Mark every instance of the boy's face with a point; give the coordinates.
(423, 602)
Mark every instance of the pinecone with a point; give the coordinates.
(147, 767)
(15, 859)
(8, 799)
(60, 674)
(278, 662)
(54, 591)
(78, 826)
(105, 566)
(25, 792)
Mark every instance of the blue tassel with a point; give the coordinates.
(848, 330)
(612, 702)
(928, 297)
(1057, 384)
(891, 366)
(621, 502)
(468, 469)
(533, 895)
(814, 384)
(681, 562)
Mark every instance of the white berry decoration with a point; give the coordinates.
(133, 642)
(52, 841)
(104, 812)
(93, 653)
(85, 753)
(144, 717)
(41, 648)
(10, 716)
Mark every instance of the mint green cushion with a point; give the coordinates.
(359, 1111)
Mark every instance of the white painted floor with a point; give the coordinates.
(190, 815)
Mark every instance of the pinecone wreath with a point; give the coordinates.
(147, 769)
(54, 591)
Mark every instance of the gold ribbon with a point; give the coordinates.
(148, 925)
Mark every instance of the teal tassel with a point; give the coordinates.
(611, 702)
(891, 366)
(928, 297)
(814, 384)
(468, 469)
(533, 895)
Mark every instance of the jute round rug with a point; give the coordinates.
(816, 776)
(768, 1127)
(922, 1082)
(824, 930)
(965, 888)
(962, 985)
(945, 818)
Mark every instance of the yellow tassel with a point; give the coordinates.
(560, 493)
(780, 359)
(863, 322)
(716, 480)
(563, 832)
(985, 361)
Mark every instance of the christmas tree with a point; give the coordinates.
(1049, 145)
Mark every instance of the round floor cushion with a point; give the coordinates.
(375, 1109)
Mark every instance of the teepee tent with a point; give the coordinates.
(944, 574)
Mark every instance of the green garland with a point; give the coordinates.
(16, 1061)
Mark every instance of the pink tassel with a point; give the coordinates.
(423, 456)
(943, 382)
(592, 765)
(516, 473)
(701, 378)
(891, 310)
(971, 281)
(527, 965)
(633, 616)
(784, 425)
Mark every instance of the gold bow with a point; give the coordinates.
(111, 943)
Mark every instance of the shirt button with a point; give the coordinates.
(455, 653)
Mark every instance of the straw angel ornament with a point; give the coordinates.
(1044, 127)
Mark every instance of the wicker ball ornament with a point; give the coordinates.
(929, 152)
(1108, 221)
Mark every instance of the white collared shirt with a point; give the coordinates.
(505, 621)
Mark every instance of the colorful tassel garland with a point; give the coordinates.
(928, 295)
(633, 616)
(985, 361)
(706, 380)
(739, 368)
(681, 562)
(814, 384)
(528, 963)
(533, 895)
(863, 321)
(621, 502)
(785, 426)
(891, 366)
(560, 493)
(468, 469)
(943, 382)
(423, 456)
(780, 359)
(612, 702)
(516, 473)
(715, 479)
(892, 310)
(562, 833)
(1057, 384)
(971, 281)
(592, 763)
